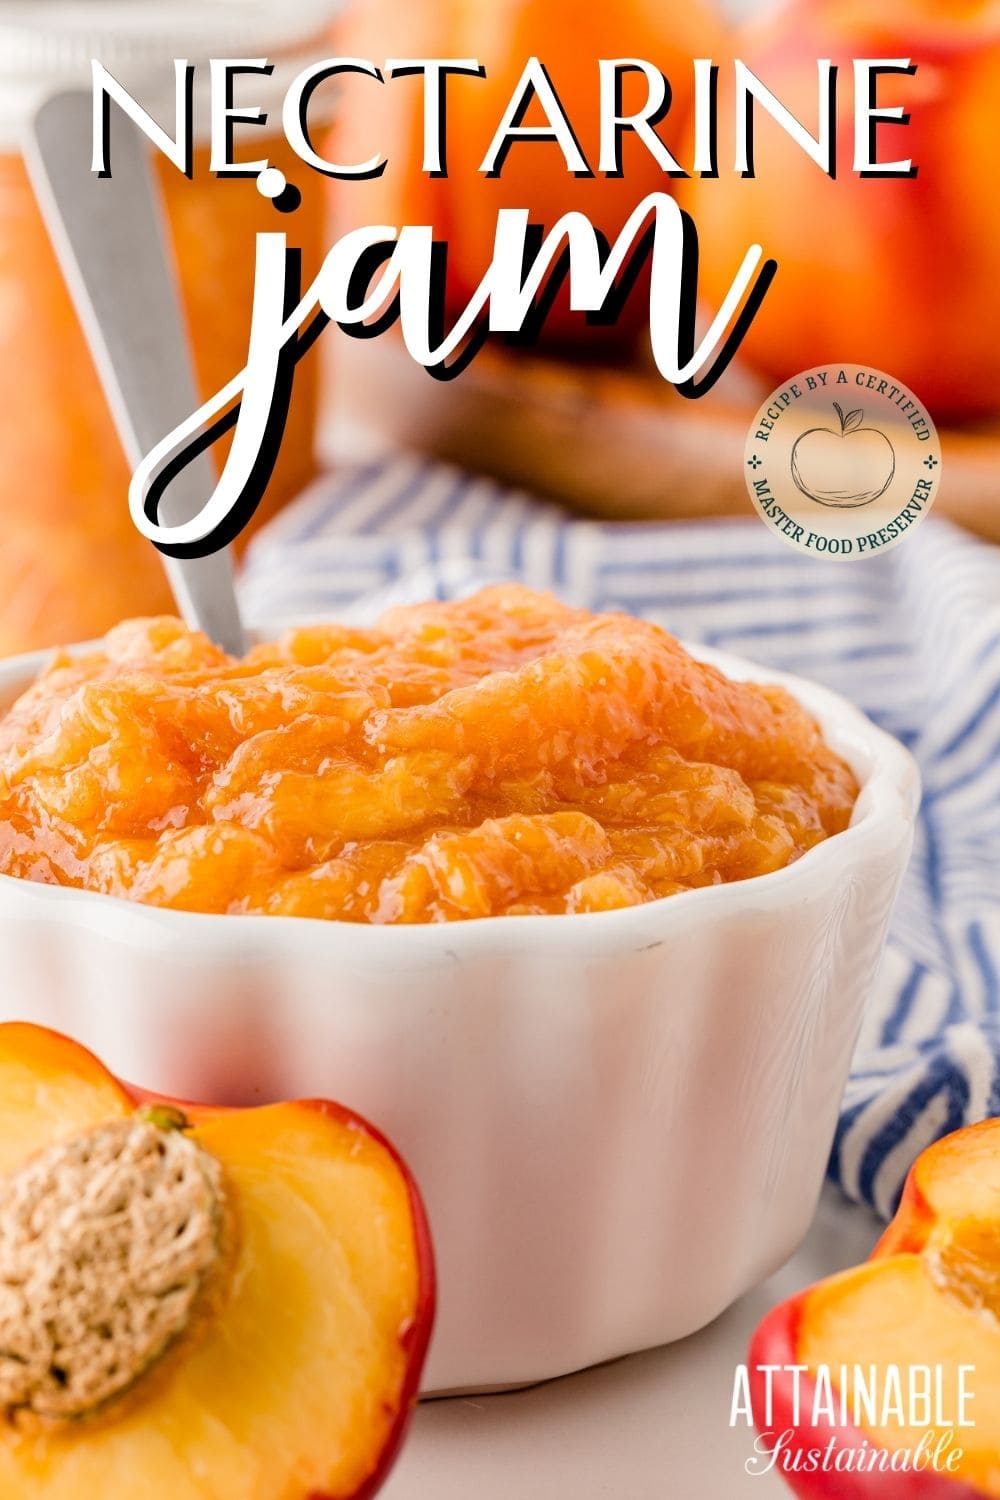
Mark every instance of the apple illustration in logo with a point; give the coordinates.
(844, 469)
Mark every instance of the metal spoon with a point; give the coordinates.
(108, 235)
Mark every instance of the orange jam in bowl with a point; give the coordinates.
(499, 755)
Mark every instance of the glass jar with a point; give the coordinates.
(71, 562)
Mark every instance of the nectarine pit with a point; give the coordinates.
(112, 1245)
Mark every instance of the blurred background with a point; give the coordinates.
(901, 274)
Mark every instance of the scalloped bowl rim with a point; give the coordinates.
(889, 795)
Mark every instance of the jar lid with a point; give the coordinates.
(49, 44)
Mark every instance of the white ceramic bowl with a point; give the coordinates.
(619, 1121)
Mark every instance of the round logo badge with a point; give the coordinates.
(842, 461)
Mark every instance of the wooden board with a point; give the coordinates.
(611, 443)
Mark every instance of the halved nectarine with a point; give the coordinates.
(198, 1303)
(921, 1318)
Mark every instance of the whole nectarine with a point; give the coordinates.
(570, 40)
(900, 273)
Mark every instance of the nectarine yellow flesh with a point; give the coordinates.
(960, 1175)
(50, 1089)
(893, 1312)
(293, 1387)
(957, 1177)
(964, 1259)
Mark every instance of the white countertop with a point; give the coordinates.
(651, 1427)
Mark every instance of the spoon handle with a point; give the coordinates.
(109, 237)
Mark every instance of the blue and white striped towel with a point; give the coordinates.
(912, 637)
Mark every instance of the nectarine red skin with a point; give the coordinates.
(417, 1337)
(775, 1342)
(912, 1223)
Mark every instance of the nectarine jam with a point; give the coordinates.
(499, 755)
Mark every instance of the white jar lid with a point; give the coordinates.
(46, 45)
